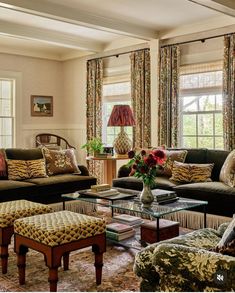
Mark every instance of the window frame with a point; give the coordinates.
(18, 138)
(197, 92)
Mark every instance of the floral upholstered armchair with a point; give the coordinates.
(186, 263)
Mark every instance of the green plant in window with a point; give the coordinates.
(93, 146)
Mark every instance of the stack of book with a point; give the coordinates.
(119, 231)
(132, 221)
(166, 198)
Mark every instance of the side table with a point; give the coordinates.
(110, 166)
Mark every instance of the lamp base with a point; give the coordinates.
(122, 143)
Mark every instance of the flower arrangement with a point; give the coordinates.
(145, 165)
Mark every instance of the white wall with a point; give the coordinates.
(36, 77)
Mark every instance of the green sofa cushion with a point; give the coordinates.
(24, 154)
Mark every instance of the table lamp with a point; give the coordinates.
(121, 116)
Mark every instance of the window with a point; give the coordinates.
(114, 94)
(7, 119)
(201, 121)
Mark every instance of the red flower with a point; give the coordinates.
(143, 153)
(159, 153)
(131, 154)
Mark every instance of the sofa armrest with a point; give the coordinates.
(192, 269)
(84, 170)
(124, 171)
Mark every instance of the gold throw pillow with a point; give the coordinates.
(21, 169)
(186, 173)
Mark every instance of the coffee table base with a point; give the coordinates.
(167, 229)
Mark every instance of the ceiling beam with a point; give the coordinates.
(51, 37)
(62, 13)
(224, 6)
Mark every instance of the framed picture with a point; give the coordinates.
(41, 106)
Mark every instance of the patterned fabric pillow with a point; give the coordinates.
(21, 169)
(17, 170)
(187, 173)
(3, 166)
(227, 173)
(37, 168)
(172, 155)
(228, 236)
(60, 162)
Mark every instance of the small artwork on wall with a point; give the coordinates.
(41, 105)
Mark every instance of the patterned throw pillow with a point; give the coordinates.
(3, 166)
(186, 173)
(60, 162)
(227, 173)
(17, 170)
(227, 243)
(21, 169)
(172, 156)
(37, 168)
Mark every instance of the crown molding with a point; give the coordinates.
(80, 17)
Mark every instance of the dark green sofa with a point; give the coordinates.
(43, 190)
(220, 197)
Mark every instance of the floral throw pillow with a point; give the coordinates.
(60, 162)
(227, 173)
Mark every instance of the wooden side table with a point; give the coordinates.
(110, 166)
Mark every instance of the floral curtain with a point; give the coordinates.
(229, 92)
(94, 109)
(168, 105)
(140, 94)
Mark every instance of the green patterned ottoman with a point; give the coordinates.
(9, 212)
(56, 235)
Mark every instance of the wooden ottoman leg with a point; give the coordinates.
(5, 239)
(21, 259)
(20, 251)
(98, 249)
(66, 261)
(53, 279)
(4, 258)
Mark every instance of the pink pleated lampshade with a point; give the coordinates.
(121, 116)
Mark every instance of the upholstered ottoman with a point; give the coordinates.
(56, 235)
(9, 212)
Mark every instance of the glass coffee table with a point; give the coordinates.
(131, 204)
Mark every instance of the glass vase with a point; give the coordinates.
(146, 196)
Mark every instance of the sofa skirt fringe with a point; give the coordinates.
(81, 207)
(195, 220)
(187, 219)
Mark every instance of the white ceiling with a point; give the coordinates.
(62, 29)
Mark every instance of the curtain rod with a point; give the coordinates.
(118, 54)
(196, 40)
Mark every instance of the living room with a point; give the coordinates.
(46, 47)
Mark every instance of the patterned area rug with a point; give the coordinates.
(117, 272)
(117, 275)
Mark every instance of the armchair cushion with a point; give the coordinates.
(185, 263)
